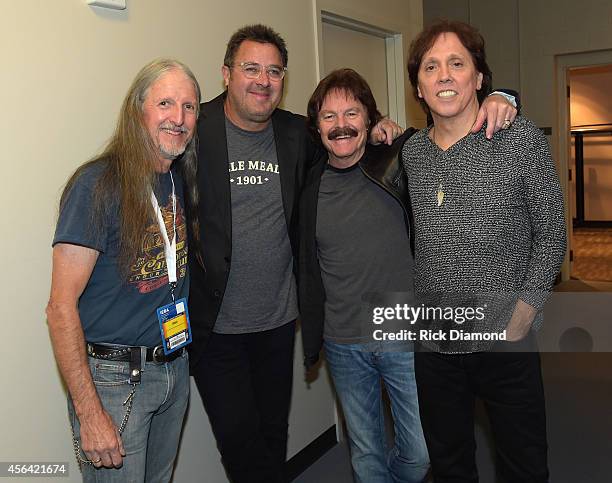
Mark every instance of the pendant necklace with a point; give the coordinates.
(440, 193)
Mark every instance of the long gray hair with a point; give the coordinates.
(129, 172)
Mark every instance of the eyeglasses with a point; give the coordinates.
(253, 70)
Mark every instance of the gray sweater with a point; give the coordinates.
(488, 219)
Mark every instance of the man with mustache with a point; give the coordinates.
(355, 240)
(116, 312)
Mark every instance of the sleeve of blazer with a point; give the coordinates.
(311, 293)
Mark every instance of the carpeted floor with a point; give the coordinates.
(593, 254)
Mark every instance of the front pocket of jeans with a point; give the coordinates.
(107, 374)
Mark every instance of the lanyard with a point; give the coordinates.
(169, 247)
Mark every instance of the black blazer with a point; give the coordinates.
(294, 149)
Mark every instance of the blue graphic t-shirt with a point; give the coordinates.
(115, 308)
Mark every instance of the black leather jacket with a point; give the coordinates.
(382, 165)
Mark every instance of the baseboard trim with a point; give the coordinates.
(592, 223)
(311, 453)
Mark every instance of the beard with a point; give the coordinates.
(172, 151)
(175, 147)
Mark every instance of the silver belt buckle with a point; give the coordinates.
(158, 354)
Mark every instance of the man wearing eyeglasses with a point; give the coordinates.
(243, 301)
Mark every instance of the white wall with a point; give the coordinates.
(366, 54)
(404, 17)
(66, 67)
(498, 23)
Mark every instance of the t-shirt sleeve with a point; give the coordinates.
(75, 224)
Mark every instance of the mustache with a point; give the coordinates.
(170, 126)
(342, 131)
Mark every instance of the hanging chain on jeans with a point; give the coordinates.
(75, 442)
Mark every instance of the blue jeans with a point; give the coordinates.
(153, 430)
(357, 371)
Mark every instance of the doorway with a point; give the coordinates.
(585, 144)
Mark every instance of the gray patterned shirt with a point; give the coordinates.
(488, 217)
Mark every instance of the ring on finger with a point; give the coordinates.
(506, 124)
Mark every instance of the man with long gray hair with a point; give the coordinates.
(116, 314)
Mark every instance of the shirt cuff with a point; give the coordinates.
(511, 99)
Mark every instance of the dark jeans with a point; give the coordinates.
(510, 385)
(245, 382)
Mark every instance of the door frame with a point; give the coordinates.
(561, 137)
(394, 56)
